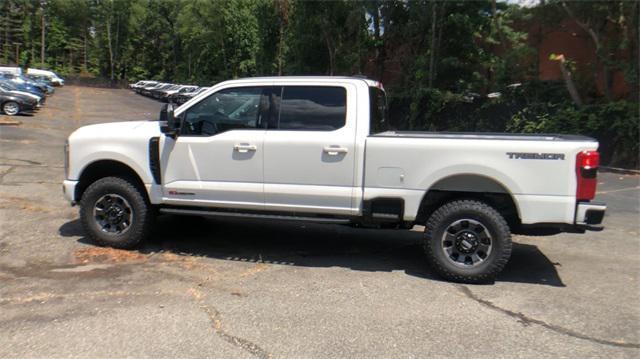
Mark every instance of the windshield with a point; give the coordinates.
(378, 110)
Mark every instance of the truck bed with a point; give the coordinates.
(538, 171)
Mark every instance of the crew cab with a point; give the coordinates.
(310, 149)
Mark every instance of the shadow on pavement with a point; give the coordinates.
(314, 245)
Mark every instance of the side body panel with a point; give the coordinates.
(543, 189)
(314, 171)
(209, 171)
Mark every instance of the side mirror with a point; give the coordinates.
(168, 123)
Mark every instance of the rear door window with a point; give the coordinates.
(312, 108)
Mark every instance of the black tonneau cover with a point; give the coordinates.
(486, 136)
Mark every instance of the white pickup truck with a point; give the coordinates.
(305, 148)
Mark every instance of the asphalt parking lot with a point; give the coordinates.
(244, 288)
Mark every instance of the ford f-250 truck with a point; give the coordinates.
(305, 148)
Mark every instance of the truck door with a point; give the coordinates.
(309, 158)
(217, 159)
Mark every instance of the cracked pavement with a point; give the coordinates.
(251, 288)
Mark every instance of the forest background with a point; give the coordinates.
(543, 66)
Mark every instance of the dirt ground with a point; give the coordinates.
(246, 288)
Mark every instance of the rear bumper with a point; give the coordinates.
(590, 213)
(588, 217)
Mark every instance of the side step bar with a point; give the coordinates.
(207, 213)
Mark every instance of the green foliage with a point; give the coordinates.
(438, 58)
(614, 124)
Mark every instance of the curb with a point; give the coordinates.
(9, 122)
(623, 171)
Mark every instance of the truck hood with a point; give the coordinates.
(118, 130)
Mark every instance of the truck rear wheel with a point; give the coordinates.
(467, 241)
(115, 213)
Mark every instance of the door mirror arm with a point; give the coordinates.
(168, 123)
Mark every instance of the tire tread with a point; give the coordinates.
(138, 232)
(495, 266)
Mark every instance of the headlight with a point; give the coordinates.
(66, 159)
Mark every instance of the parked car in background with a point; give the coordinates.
(165, 93)
(180, 89)
(11, 69)
(141, 83)
(146, 90)
(159, 92)
(24, 83)
(150, 84)
(180, 98)
(52, 76)
(16, 89)
(154, 92)
(12, 103)
(43, 80)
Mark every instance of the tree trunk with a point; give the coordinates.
(280, 47)
(85, 50)
(332, 60)
(116, 56)
(433, 44)
(380, 49)
(224, 55)
(42, 35)
(438, 42)
(282, 8)
(189, 65)
(331, 52)
(596, 41)
(110, 48)
(637, 44)
(568, 80)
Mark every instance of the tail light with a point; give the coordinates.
(586, 174)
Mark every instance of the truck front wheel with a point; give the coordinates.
(115, 213)
(467, 241)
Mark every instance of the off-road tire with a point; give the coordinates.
(142, 212)
(481, 212)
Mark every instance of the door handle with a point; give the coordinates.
(335, 150)
(244, 147)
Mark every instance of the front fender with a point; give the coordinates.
(138, 164)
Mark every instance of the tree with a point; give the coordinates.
(606, 23)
